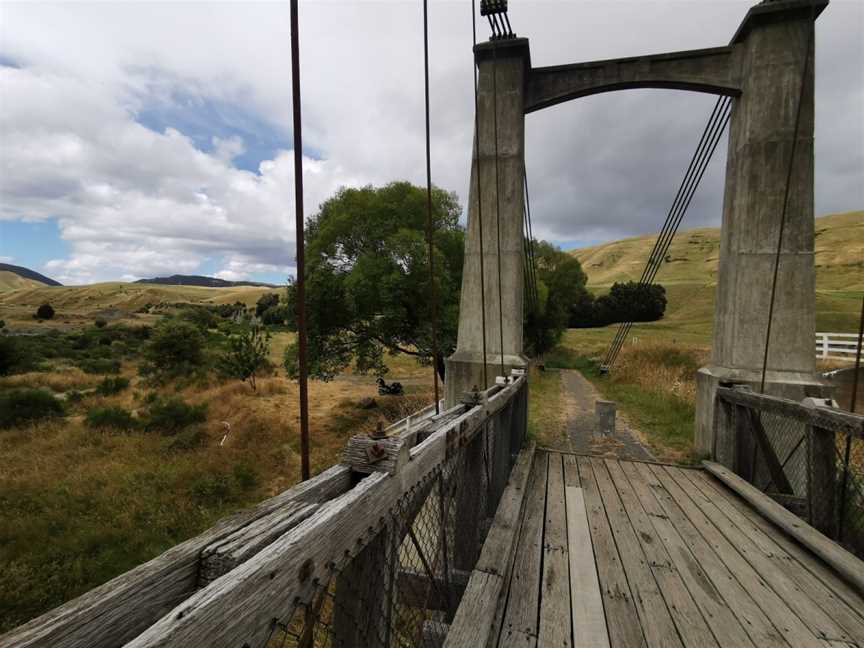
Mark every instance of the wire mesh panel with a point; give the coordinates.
(402, 588)
(810, 459)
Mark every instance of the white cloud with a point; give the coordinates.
(133, 202)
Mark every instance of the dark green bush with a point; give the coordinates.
(115, 418)
(112, 385)
(170, 416)
(211, 490)
(175, 347)
(187, 440)
(19, 406)
(74, 396)
(99, 365)
(100, 323)
(13, 356)
(44, 312)
(245, 476)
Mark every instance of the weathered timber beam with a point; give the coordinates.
(240, 607)
(478, 617)
(775, 469)
(846, 565)
(125, 606)
(712, 70)
(818, 417)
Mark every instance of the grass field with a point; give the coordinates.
(81, 504)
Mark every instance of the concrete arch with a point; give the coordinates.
(712, 71)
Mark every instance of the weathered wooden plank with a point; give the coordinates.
(622, 619)
(496, 555)
(850, 568)
(523, 602)
(117, 611)
(474, 623)
(555, 627)
(776, 576)
(817, 416)
(221, 557)
(729, 610)
(787, 623)
(586, 602)
(240, 608)
(688, 618)
(772, 462)
(434, 633)
(469, 517)
(657, 623)
(789, 557)
(516, 639)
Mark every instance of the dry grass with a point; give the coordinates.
(61, 379)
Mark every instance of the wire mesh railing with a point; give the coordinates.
(384, 564)
(807, 456)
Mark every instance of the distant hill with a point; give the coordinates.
(204, 282)
(693, 256)
(25, 273)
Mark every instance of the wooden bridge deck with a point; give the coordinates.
(619, 553)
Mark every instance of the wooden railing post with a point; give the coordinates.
(500, 464)
(823, 474)
(466, 543)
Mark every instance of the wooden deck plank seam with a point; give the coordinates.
(769, 602)
(835, 608)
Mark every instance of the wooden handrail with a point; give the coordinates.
(818, 417)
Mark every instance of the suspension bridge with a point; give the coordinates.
(450, 528)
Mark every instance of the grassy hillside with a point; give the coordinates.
(117, 299)
(693, 256)
(12, 281)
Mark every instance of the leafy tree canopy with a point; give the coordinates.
(560, 285)
(367, 278)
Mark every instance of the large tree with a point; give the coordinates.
(368, 291)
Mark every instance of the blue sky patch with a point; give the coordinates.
(201, 119)
(32, 244)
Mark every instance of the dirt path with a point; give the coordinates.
(578, 397)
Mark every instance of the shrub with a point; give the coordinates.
(245, 476)
(625, 302)
(175, 347)
(187, 439)
(99, 365)
(45, 312)
(12, 356)
(110, 386)
(74, 396)
(200, 317)
(211, 489)
(100, 323)
(19, 406)
(266, 302)
(116, 418)
(247, 355)
(173, 415)
(2, 324)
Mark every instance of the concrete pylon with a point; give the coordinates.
(503, 65)
(772, 47)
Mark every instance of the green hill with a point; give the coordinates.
(690, 275)
(693, 256)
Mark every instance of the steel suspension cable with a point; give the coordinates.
(804, 69)
(530, 232)
(479, 193)
(497, 203)
(301, 256)
(669, 216)
(711, 135)
(429, 226)
(708, 152)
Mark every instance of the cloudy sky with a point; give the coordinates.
(142, 139)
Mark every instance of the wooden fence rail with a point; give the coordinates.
(837, 346)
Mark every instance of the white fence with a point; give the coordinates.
(836, 346)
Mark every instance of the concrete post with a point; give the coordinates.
(504, 65)
(771, 49)
(604, 413)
